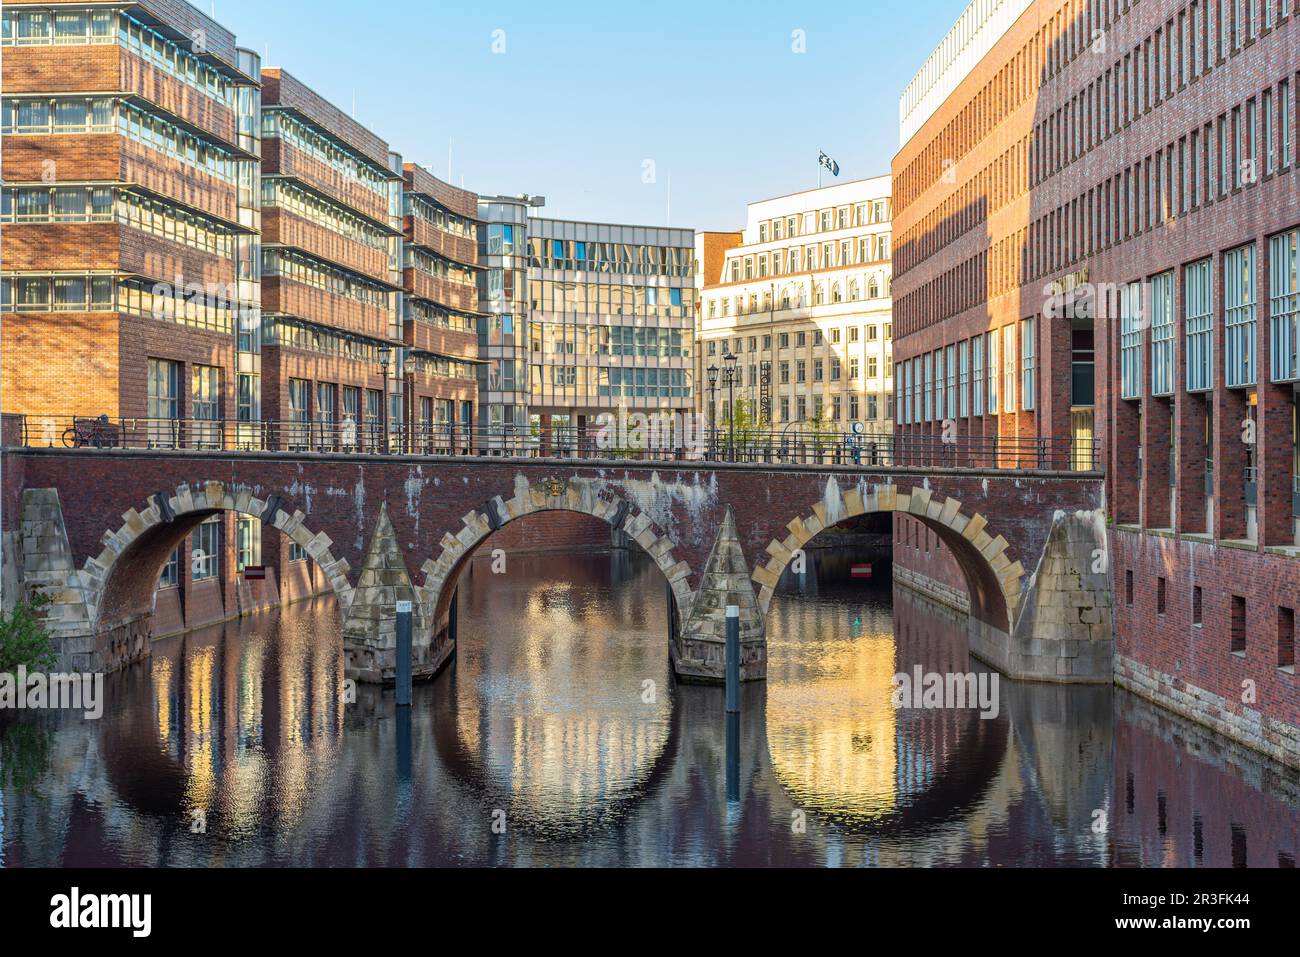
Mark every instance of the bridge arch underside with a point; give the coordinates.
(121, 582)
(993, 580)
(443, 574)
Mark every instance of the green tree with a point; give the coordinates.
(23, 638)
(741, 424)
(822, 428)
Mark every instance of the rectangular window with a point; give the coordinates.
(1009, 368)
(171, 572)
(950, 390)
(1239, 317)
(1028, 381)
(1284, 124)
(903, 390)
(927, 389)
(977, 375)
(1162, 334)
(248, 542)
(963, 379)
(205, 406)
(1130, 341)
(299, 413)
(1196, 605)
(991, 341)
(939, 390)
(1128, 588)
(1199, 327)
(1270, 147)
(1284, 306)
(915, 378)
(206, 559)
(162, 394)
(1160, 596)
(205, 393)
(1238, 625)
(1286, 637)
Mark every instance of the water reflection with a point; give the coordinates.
(558, 737)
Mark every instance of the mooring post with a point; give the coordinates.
(733, 659)
(451, 615)
(404, 653)
(733, 703)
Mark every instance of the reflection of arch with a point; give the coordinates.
(575, 495)
(120, 580)
(469, 769)
(992, 579)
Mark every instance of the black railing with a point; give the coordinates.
(675, 442)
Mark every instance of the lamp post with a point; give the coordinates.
(729, 374)
(385, 356)
(713, 404)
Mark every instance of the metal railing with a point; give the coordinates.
(745, 446)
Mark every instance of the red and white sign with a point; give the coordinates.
(862, 570)
(254, 573)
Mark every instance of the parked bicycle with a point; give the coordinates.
(95, 433)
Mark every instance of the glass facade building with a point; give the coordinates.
(503, 307)
(611, 321)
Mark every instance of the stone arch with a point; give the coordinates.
(574, 495)
(119, 582)
(994, 580)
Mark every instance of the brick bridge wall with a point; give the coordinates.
(1022, 540)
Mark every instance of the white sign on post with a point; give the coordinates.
(403, 606)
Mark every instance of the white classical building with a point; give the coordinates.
(801, 299)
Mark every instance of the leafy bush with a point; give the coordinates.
(23, 639)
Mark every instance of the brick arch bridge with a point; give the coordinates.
(383, 529)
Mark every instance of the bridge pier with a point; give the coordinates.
(1065, 629)
(370, 621)
(699, 655)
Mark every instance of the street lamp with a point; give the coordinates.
(385, 356)
(713, 404)
(729, 375)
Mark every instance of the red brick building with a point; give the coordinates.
(1097, 213)
(440, 270)
(129, 244)
(212, 255)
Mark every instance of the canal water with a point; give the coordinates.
(559, 737)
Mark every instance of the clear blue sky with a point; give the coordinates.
(584, 94)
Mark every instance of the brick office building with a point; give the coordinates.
(213, 251)
(129, 212)
(1105, 191)
(330, 321)
(129, 249)
(440, 270)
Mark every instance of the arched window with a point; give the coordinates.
(837, 294)
(819, 295)
(873, 289)
(854, 291)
